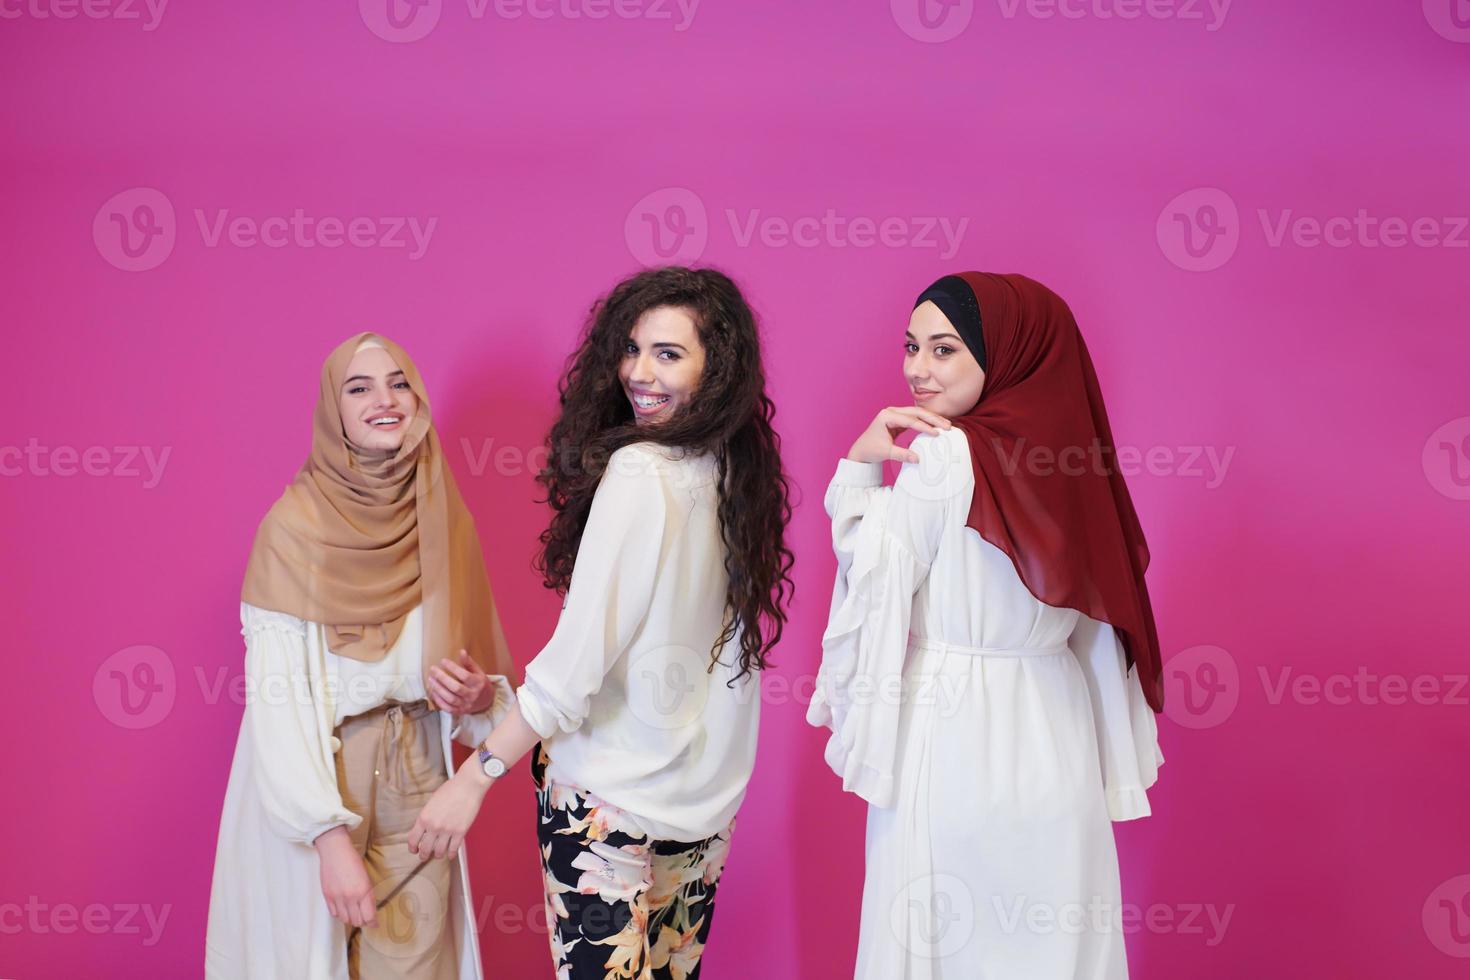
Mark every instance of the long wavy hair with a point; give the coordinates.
(728, 414)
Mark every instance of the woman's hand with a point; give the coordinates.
(446, 818)
(876, 443)
(345, 882)
(461, 688)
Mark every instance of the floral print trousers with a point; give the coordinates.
(621, 906)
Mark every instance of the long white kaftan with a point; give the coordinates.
(993, 776)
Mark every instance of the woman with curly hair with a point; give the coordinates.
(667, 539)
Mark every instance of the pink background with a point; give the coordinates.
(1332, 834)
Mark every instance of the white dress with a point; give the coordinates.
(623, 693)
(993, 777)
(267, 916)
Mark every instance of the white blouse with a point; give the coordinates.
(624, 692)
(912, 575)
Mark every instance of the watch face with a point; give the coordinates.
(493, 767)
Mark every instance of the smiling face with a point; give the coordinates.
(942, 373)
(662, 363)
(376, 401)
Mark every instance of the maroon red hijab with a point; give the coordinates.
(1047, 487)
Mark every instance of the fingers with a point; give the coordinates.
(469, 663)
(367, 910)
(902, 455)
(443, 698)
(422, 841)
(451, 685)
(453, 703)
(454, 670)
(911, 422)
(914, 417)
(933, 418)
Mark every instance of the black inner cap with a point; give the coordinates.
(956, 300)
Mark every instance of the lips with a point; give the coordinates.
(922, 393)
(385, 421)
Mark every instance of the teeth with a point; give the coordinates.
(646, 401)
(388, 420)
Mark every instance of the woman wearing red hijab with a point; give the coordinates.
(991, 671)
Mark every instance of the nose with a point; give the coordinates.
(385, 397)
(918, 369)
(642, 372)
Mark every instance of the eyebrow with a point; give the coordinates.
(363, 377)
(934, 336)
(666, 343)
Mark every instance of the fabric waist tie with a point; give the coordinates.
(940, 646)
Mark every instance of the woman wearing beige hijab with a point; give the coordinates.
(371, 641)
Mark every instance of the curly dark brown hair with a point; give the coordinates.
(728, 414)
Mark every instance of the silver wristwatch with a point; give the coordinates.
(493, 767)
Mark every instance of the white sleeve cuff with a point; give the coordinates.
(851, 473)
(536, 712)
(471, 730)
(1128, 803)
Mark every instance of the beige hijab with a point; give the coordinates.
(360, 538)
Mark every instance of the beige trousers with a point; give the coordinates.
(390, 763)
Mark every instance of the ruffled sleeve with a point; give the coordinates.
(1127, 731)
(849, 495)
(885, 540)
(293, 749)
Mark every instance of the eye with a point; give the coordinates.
(630, 348)
(943, 350)
(668, 355)
(910, 347)
(401, 384)
(356, 389)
